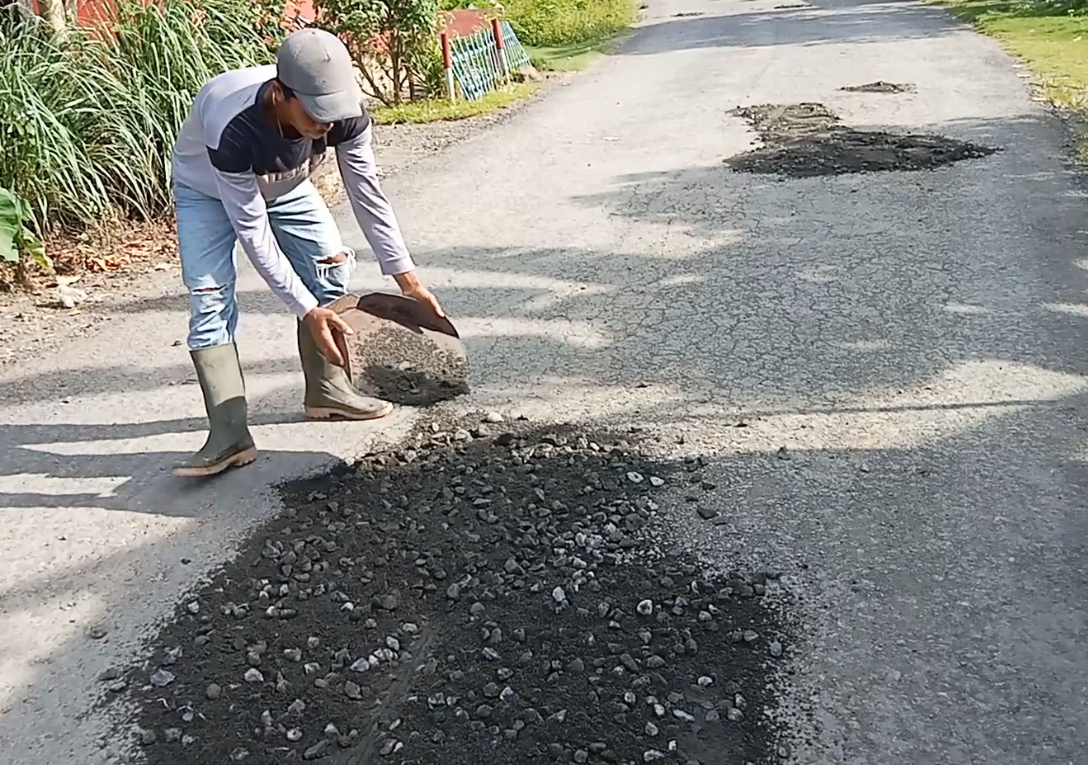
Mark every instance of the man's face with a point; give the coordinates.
(292, 113)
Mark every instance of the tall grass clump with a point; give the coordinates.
(546, 23)
(87, 125)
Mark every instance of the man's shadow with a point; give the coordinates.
(135, 476)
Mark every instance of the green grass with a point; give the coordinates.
(550, 23)
(570, 57)
(441, 109)
(87, 126)
(1050, 37)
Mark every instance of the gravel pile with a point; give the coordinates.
(806, 141)
(486, 593)
(397, 364)
(880, 86)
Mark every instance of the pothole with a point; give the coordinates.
(485, 593)
(807, 140)
(880, 86)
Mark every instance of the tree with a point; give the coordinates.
(393, 42)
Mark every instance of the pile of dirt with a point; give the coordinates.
(807, 140)
(488, 594)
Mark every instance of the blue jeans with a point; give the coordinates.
(305, 230)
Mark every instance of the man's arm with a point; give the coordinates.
(359, 170)
(248, 213)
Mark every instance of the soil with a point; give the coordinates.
(486, 593)
(880, 86)
(807, 140)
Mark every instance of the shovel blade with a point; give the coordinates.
(401, 350)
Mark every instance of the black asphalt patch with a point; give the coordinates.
(483, 594)
(880, 86)
(807, 140)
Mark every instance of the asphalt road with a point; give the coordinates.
(913, 340)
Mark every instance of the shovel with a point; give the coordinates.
(402, 351)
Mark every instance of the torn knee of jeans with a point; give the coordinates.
(206, 290)
(334, 260)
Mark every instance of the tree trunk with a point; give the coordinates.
(54, 13)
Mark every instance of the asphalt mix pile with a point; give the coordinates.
(407, 367)
(807, 140)
(487, 593)
(880, 86)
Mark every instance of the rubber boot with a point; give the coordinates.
(229, 443)
(329, 392)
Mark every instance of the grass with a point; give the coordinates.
(570, 57)
(564, 35)
(1050, 37)
(441, 109)
(554, 23)
(559, 35)
(86, 127)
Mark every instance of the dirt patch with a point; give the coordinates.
(488, 593)
(807, 140)
(407, 368)
(880, 87)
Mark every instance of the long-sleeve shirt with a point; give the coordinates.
(227, 150)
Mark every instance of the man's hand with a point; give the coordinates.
(324, 324)
(411, 287)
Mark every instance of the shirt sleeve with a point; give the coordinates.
(359, 170)
(249, 215)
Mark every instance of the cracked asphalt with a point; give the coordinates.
(913, 340)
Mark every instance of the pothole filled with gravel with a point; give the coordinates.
(486, 593)
(880, 86)
(807, 140)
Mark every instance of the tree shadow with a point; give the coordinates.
(1031, 9)
(798, 295)
(929, 321)
(818, 24)
(928, 532)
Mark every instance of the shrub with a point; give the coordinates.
(393, 43)
(87, 125)
(16, 236)
(564, 22)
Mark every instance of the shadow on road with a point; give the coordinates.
(890, 330)
(822, 23)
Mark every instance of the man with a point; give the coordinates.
(241, 170)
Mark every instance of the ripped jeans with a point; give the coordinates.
(305, 230)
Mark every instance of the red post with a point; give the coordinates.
(447, 63)
(500, 47)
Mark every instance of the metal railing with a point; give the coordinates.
(480, 62)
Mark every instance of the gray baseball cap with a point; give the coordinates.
(318, 68)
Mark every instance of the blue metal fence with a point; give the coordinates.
(515, 51)
(475, 60)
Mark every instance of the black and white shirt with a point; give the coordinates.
(226, 150)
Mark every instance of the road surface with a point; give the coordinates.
(914, 340)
